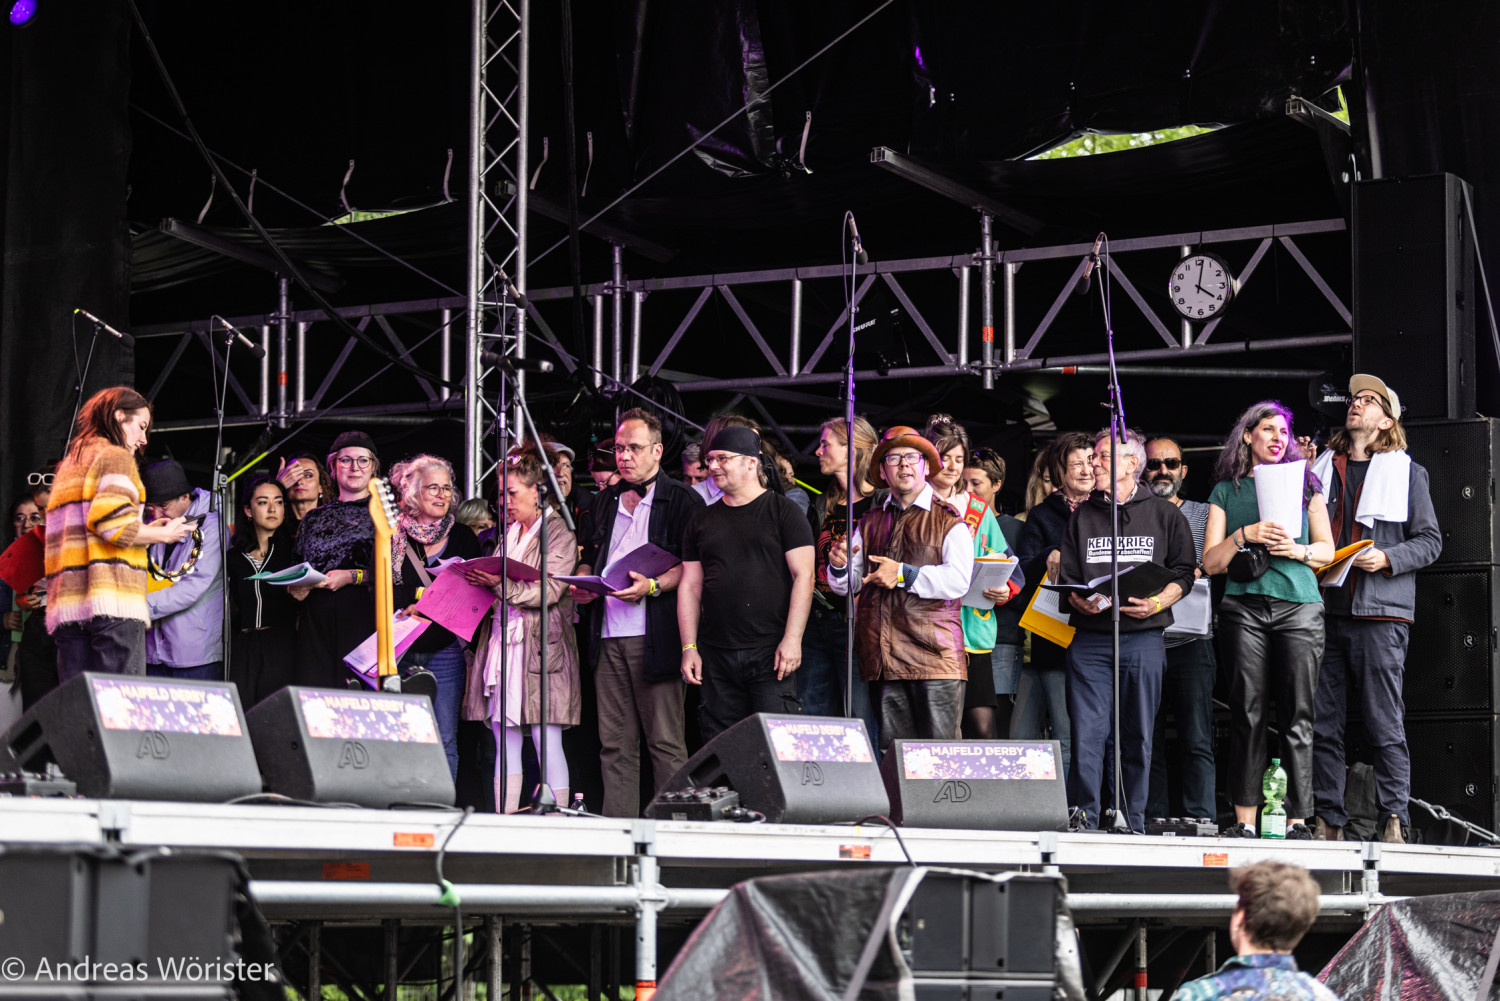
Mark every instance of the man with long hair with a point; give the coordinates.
(1376, 492)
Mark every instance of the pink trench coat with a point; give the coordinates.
(563, 694)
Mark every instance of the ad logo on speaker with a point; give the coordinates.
(354, 755)
(812, 773)
(154, 745)
(953, 792)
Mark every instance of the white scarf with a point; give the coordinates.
(1384, 496)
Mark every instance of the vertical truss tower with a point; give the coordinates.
(498, 188)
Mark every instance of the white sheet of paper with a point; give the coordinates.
(989, 572)
(1049, 603)
(404, 633)
(1278, 494)
(1337, 573)
(1191, 616)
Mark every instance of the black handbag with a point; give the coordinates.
(1249, 563)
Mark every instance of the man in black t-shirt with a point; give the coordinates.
(747, 580)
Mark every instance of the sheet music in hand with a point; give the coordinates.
(990, 573)
(646, 560)
(1337, 572)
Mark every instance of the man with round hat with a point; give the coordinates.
(186, 638)
(910, 560)
(746, 589)
(1375, 491)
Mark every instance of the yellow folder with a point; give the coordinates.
(1047, 621)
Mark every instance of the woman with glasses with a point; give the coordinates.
(338, 539)
(1042, 690)
(263, 617)
(426, 533)
(32, 652)
(24, 516)
(981, 704)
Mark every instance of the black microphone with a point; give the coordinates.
(516, 295)
(507, 363)
(124, 338)
(860, 256)
(1082, 288)
(255, 349)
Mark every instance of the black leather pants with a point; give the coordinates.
(1274, 649)
(920, 710)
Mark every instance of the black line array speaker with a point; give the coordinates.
(1461, 458)
(792, 769)
(1452, 763)
(1414, 293)
(1451, 660)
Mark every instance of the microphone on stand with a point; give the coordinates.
(860, 256)
(124, 338)
(255, 349)
(507, 363)
(1082, 288)
(516, 295)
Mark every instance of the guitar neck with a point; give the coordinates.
(385, 647)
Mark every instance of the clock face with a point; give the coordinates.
(1201, 286)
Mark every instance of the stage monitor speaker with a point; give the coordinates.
(88, 914)
(793, 769)
(351, 746)
(1461, 459)
(1451, 658)
(965, 925)
(1414, 295)
(1453, 763)
(131, 737)
(982, 785)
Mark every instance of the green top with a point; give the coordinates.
(1285, 578)
(979, 624)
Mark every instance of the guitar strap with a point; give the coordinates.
(419, 564)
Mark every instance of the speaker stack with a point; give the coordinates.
(1415, 311)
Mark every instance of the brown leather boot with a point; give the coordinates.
(1324, 831)
(1391, 833)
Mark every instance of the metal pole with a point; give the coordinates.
(473, 421)
(1210, 951)
(964, 305)
(446, 360)
(636, 300)
(617, 289)
(315, 960)
(987, 297)
(392, 973)
(1187, 325)
(283, 335)
(265, 370)
(645, 930)
(301, 384)
(495, 973)
(598, 358)
(1010, 311)
(1140, 956)
(523, 187)
(794, 362)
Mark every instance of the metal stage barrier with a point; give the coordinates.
(369, 866)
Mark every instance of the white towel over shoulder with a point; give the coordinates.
(1384, 496)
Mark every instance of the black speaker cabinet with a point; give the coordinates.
(1461, 458)
(1451, 659)
(347, 746)
(965, 926)
(982, 785)
(1414, 295)
(793, 769)
(129, 737)
(1453, 763)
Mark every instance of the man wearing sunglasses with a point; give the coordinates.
(1187, 685)
(1376, 492)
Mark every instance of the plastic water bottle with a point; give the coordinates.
(1273, 814)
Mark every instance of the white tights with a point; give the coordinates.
(508, 787)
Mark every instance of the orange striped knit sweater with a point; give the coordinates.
(93, 517)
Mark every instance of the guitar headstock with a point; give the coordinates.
(383, 510)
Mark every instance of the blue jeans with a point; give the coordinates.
(1006, 661)
(1370, 654)
(821, 678)
(1043, 691)
(447, 668)
(1143, 658)
(203, 672)
(1187, 693)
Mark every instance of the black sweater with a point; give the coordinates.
(1151, 530)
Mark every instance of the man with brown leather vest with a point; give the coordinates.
(908, 628)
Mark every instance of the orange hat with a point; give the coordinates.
(902, 436)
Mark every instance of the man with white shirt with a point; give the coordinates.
(908, 628)
(1374, 492)
(633, 637)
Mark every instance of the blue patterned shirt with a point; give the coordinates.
(1258, 975)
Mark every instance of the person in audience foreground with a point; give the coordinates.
(96, 541)
(1151, 531)
(981, 703)
(633, 641)
(746, 588)
(908, 627)
(1272, 622)
(1378, 493)
(505, 677)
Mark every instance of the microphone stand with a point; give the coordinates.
(1117, 436)
(221, 493)
(851, 487)
(83, 378)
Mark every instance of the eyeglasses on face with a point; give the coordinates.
(1172, 462)
(631, 449)
(1367, 399)
(34, 518)
(912, 459)
(438, 489)
(355, 461)
(39, 479)
(721, 460)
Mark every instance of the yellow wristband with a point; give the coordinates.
(690, 646)
(359, 576)
(1157, 598)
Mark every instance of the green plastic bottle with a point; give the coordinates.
(1273, 814)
